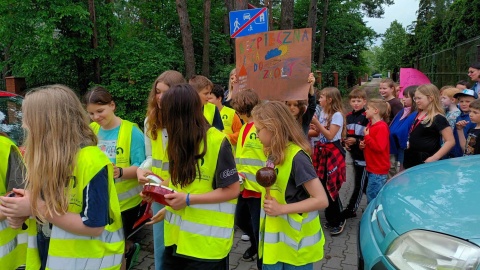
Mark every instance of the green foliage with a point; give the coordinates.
(394, 47)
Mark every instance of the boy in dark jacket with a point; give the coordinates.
(356, 123)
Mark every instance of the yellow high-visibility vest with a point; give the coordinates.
(249, 158)
(203, 231)
(128, 190)
(295, 239)
(13, 243)
(73, 251)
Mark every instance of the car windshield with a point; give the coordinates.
(11, 118)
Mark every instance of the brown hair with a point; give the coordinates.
(475, 104)
(199, 82)
(154, 118)
(358, 93)
(450, 91)
(336, 105)
(382, 106)
(302, 108)
(187, 130)
(244, 101)
(97, 95)
(391, 84)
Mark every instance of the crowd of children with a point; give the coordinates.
(207, 145)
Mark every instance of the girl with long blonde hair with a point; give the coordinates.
(329, 154)
(295, 197)
(428, 129)
(67, 176)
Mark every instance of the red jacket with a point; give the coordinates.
(377, 148)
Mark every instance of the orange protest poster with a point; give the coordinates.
(275, 64)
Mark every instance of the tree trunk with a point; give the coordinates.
(241, 4)
(321, 51)
(94, 41)
(187, 42)
(286, 17)
(206, 39)
(312, 23)
(269, 4)
(226, 30)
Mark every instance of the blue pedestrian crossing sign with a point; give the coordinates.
(248, 22)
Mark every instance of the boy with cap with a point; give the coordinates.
(465, 97)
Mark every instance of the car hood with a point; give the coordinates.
(442, 196)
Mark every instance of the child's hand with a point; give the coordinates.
(142, 176)
(461, 124)
(366, 131)
(116, 172)
(311, 79)
(361, 145)
(18, 206)
(159, 216)
(146, 197)
(272, 207)
(16, 222)
(350, 141)
(177, 200)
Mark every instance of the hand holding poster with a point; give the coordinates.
(275, 64)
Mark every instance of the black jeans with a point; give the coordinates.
(247, 218)
(171, 261)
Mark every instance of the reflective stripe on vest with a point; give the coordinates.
(106, 236)
(293, 223)
(105, 262)
(160, 164)
(225, 207)
(130, 193)
(250, 162)
(198, 228)
(280, 237)
(5, 249)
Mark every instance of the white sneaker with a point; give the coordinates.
(245, 237)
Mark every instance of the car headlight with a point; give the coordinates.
(421, 250)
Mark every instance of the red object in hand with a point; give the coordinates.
(157, 192)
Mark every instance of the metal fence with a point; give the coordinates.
(449, 66)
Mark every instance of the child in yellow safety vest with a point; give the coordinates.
(199, 221)
(69, 187)
(123, 143)
(291, 213)
(13, 242)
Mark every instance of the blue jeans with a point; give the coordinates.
(158, 242)
(286, 266)
(375, 183)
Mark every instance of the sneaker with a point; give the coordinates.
(339, 229)
(131, 256)
(327, 226)
(245, 237)
(348, 214)
(249, 255)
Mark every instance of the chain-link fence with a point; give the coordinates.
(449, 66)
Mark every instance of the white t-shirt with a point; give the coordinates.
(337, 119)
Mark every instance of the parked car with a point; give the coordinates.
(377, 75)
(427, 217)
(11, 116)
